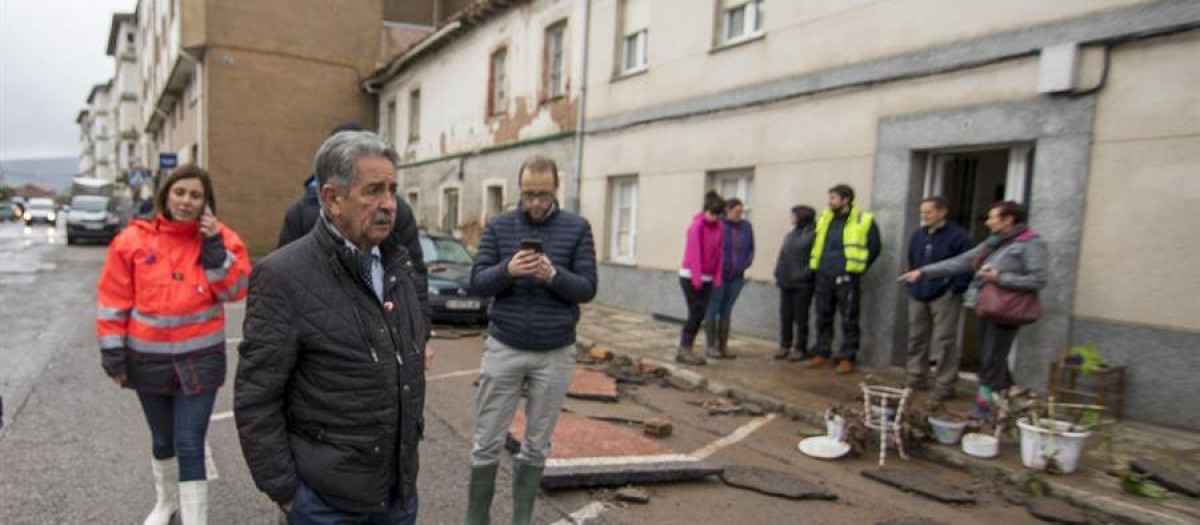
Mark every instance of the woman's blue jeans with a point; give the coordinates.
(178, 425)
(721, 302)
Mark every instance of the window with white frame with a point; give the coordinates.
(450, 202)
(497, 96)
(635, 27)
(414, 115)
(623, 214)
(494, 202)
(737, 183)
(740, 20)
(554, 60)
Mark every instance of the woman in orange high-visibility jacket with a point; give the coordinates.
(161, 325)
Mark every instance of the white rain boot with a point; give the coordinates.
(193, 502)
(166, 491)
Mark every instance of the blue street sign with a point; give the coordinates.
(138, 177)
(167, 161)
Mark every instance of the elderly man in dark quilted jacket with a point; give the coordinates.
(330, 386)
(539, 263)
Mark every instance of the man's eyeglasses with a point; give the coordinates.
(530, 196)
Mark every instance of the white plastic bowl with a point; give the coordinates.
(981, 445)
(947, 431)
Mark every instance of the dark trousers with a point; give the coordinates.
(995, 342)
(837, 294)
(178, 425)
(793, 314)
(309, 509)
(697, 304)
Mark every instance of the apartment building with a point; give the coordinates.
(1079, 109)
(97, 129)
(1083, 110)
(495, 83)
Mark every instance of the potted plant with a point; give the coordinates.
(1053, 435)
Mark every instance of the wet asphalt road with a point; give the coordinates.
(75, 449)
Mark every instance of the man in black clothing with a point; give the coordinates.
(330, 388)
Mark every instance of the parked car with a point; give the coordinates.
(92, 217)
(9, 211)
(40, 209)
(450, 297)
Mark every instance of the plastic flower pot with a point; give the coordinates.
(980, 445)
(1051, 439)
(947, 431)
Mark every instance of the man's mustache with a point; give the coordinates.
(382, 218)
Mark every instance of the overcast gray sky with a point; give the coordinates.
(51, 53)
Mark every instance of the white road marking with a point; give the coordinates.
(233, 340)
(590, 511)
(210, 465)
(221, 416)
(621, 460)
(734, 437)
(449, 375)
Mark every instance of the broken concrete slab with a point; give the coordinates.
(689, 377)
(590, 384)
(626, 374)
(1056, 511)
(1170, 477)
(775, 483)
(577, 437)
(600, 353)
(616, 473)
(618, 412)
(909, 521)
(658, 428)
(921, 483)
(632, 495)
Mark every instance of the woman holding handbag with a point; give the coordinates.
(161, 325)
(1010, 267)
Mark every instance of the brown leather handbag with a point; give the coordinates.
(1007, 307)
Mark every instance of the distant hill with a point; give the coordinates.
(50, 173)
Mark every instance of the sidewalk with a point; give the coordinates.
(805, 394)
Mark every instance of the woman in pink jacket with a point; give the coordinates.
(700, 272)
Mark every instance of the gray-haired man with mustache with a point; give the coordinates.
(330, 387)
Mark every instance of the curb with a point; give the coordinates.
(1107, 506)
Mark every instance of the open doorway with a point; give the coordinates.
(971, 180)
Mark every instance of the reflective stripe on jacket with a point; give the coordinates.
(159, 317)
(854, 240)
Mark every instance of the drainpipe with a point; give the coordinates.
(580, 119)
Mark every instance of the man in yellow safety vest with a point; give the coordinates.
(847, 243)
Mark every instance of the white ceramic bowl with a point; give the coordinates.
(980, 445)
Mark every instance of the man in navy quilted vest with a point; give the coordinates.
(539, 263)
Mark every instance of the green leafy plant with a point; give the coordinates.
(1087, 358)
(1138, 485)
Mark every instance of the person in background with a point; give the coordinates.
(738, 254)
(795, 281)
(934, 305)
(701, 271)
(161, 324)
(847, 244)
(1013, 257)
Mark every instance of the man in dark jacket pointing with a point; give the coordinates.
(330, 386)
(539, 263)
